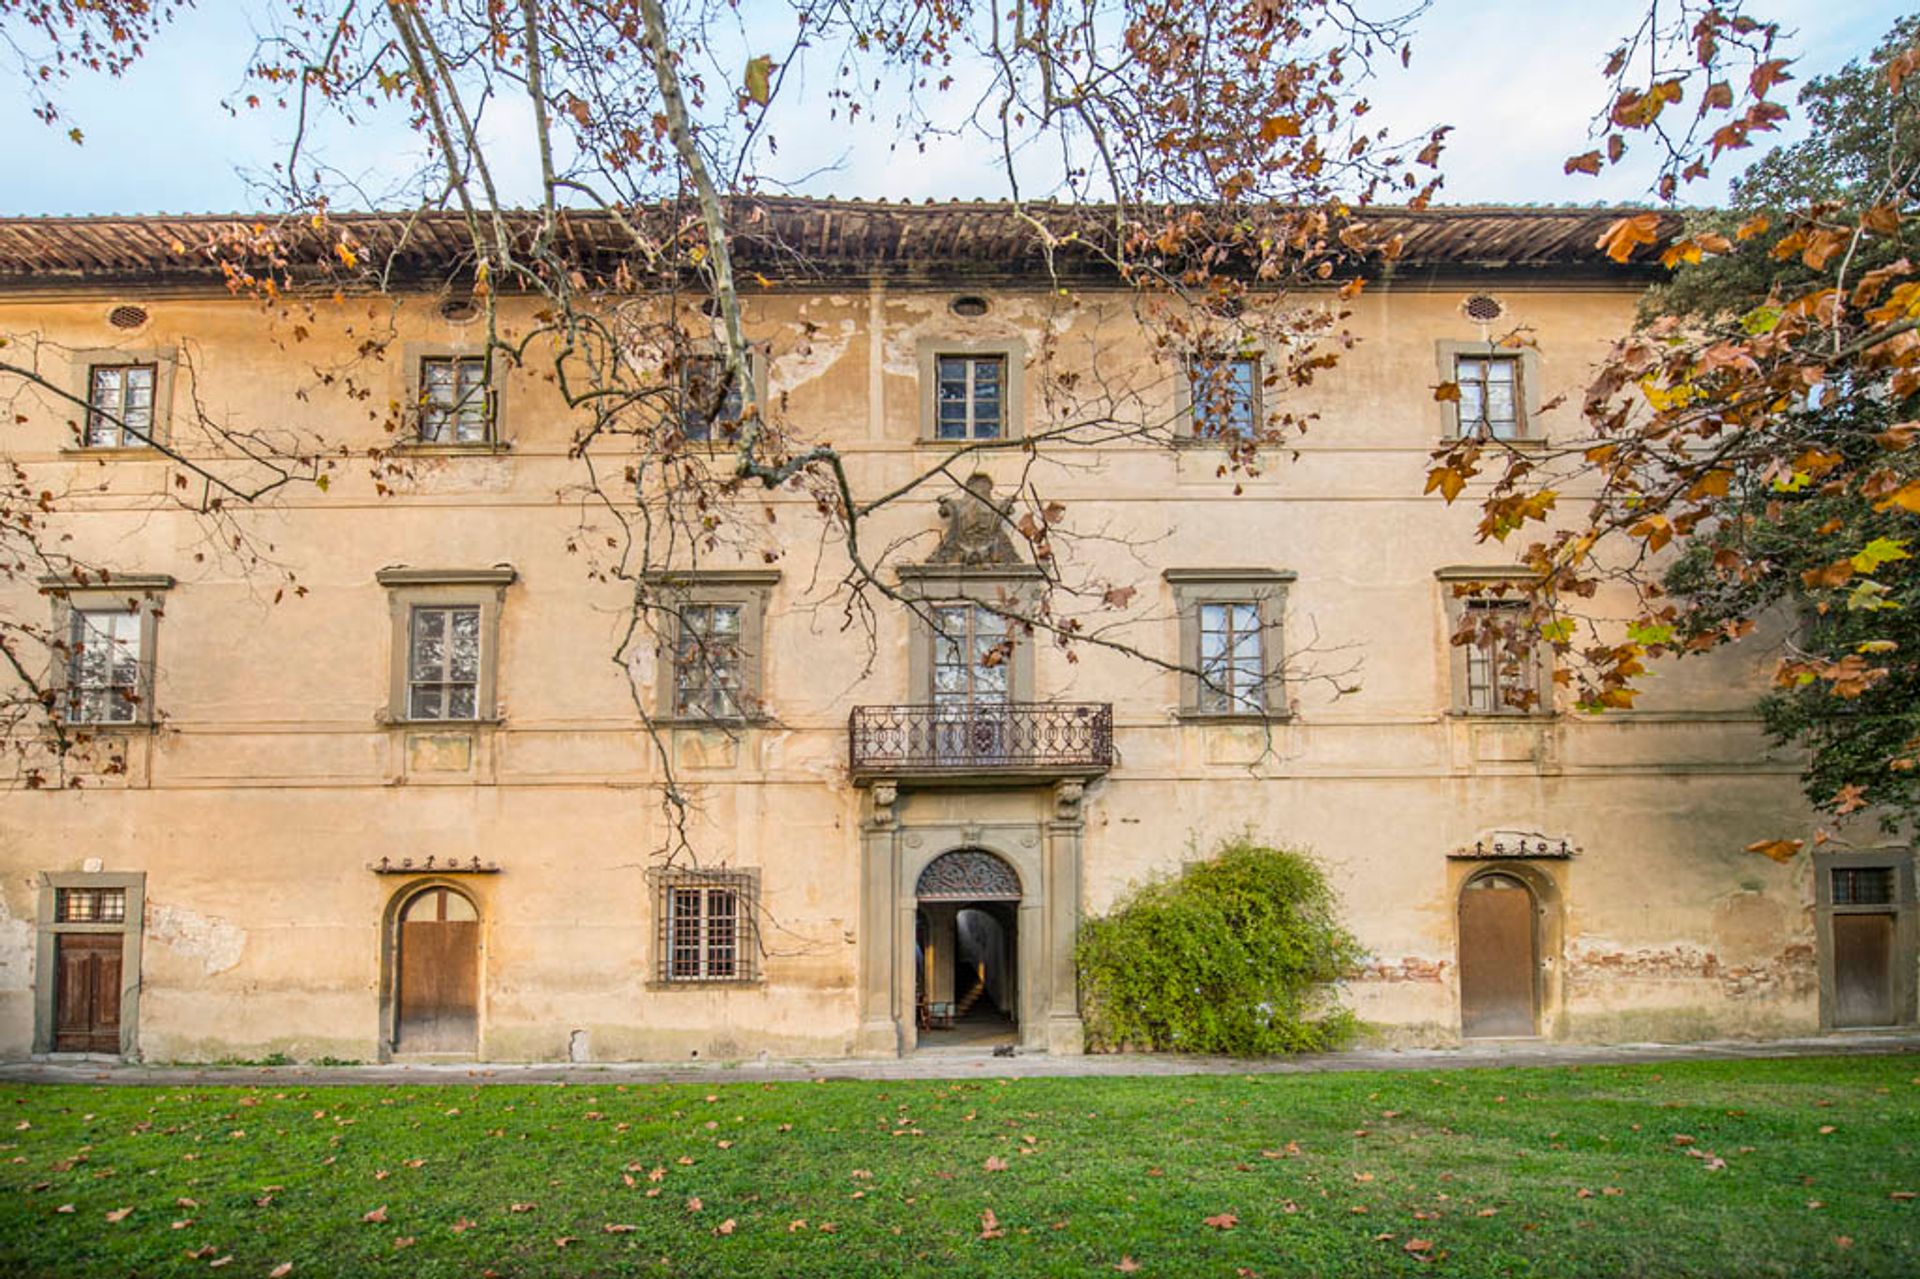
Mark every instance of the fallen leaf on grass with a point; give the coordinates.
(1418, 1245)
(1826, 1129)
(201, 1253)
(119, 1214)
(519, 1207)
(995, 1164)
(218, 1262)
(693, 1204)
(990, 1226)
(462, 1226)
(618, 1228)
(182, 1225)
(561, 1241)
(725, 1227)
(377, 1216)
(796, 1225)
(1223, 1221)
(64, 1208)
(404, 1241)
(281, 1271)
(1901, 1196)
(186, 1203)
(1126, 1265)
(1486, 1212)
(1843, 1241)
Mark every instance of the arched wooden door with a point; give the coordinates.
(1499, 958)
(436, 973)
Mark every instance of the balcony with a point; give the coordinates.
(1025, 740)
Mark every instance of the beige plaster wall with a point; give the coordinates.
(274, 782)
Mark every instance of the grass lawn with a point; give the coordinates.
(1802, 1167)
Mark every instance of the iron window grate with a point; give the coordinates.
(1863, 886)
(90, 905)
(705, 926)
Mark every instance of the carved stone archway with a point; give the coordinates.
(968, 874)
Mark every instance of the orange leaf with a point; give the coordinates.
(1224, 1221)
(1587, 163)
(1780, 850)
(1628, 234)
(1447, 393)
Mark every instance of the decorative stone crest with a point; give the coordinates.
(1516, 844)
(976, 527)
(968, 874)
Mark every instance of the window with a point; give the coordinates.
(706, 413)
(971, 401)
(711, 627)
(1489, 395)
(706, 926)
(120, 405)
(1863, 886)
(707, 662)
(456, 402)
(971, 389)
(443, 662)
(105, 669)
(446, 636)
(1498, 667)
(1223, 396)
(1230, 640)
(90, 905)
(972, 656)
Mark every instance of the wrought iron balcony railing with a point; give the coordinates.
(1047, 738)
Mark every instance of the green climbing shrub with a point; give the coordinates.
(1234, 955)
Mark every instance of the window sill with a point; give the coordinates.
(735, 723)
(1506, 717)
(1523, 443)
(388, 721)
(115, 729)
(479, 448)
(116, 452)
(935, 442)
(1186, 716)
(708, 983)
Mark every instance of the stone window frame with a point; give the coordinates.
(998, 587)
(744, 882)
(1906, 929)
(48, 929)
(1185, 431)
(1013, 390)
(1454, 608)
(759, 367)
(166, 363)
(1447, 352)
(1267, 589)
(414, 356)
(485, 588)
(749, 589)
(142, 593)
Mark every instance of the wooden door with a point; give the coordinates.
(87, 992)
(1863, 969)
(1499, 958)
(437, 975)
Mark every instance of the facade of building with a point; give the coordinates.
(410, 809)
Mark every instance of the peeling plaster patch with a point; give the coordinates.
(1789, 972)
(214, 942)
(1409, 968)
(16, 951)
(429, 474)
(815, 355)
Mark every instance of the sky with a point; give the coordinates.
(1518, 80)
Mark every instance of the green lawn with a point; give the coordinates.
(1802, 1167)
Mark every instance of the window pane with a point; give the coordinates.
(428, 658)
(1863, 886)
(425, 703)
(464, 648)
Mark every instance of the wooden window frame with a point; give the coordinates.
(1190, 407)
(744, 885)
(407, 589)
(749, 590)
(1526, 374)
(163, 360)
(1454, 608)
(1906, 930)
(997, 587)
(49, 930)
(1011, 351)
(416, 356)
(143, 594)
(759, 360)
(1267, 590)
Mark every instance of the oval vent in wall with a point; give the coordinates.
(1483, 308)
(968, 306)
(459, 310)
(127, 317)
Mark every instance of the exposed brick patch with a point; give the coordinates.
(1790, 972)
(1410, 968)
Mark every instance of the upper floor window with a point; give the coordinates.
(972, 656)
(708, 662)
(1489, 395)
(443, 662)
(446, 639)
(104, 666)
(711, 406)
(1223, 396)
(972, 397)
(120, 405)
(1230, 640)
(711, 626)
(1499, 667)
(456, 401)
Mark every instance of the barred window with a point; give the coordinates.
(103, 666)
(1233, 666)
(1863, 886)
(706, 926)
(706, 413)
(970, 399)
(708, 662)
(455, 404)
(120, 405)
(443, 662)
(1222, 395)
(1502, 673)
(90, 906)
(1489, 395)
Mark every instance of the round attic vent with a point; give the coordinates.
(1484, 308)
(127, 317)
(969, 306)
(459, 310)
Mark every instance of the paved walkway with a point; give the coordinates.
(958, 1064)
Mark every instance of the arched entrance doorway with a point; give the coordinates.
(966, 974)
(1499, 957)
(435, 972)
